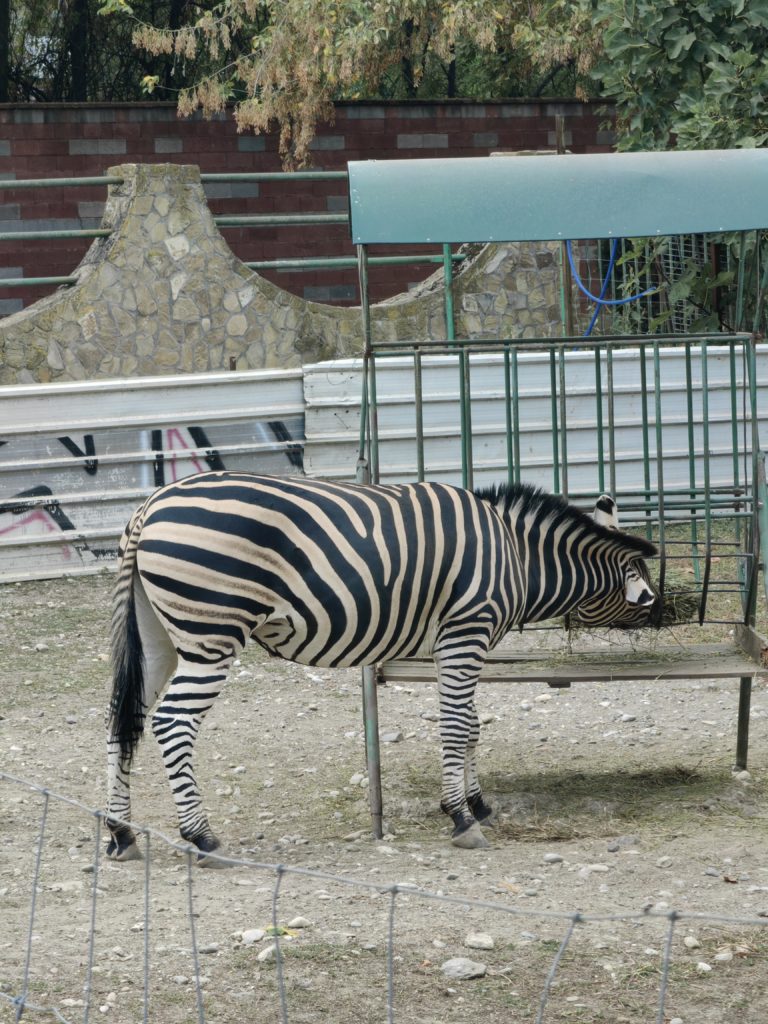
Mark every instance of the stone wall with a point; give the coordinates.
(164, 293)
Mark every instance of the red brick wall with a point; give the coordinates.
(69, 140)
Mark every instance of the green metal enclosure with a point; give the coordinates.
(667, 423)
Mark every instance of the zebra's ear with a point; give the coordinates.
(606, 514)
(636, 590)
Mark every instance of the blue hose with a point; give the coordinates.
(599, 300)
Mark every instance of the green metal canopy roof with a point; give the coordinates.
(549, 197)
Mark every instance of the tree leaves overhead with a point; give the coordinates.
(691, 74)
(285, 62)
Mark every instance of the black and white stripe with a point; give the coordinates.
(335, 575)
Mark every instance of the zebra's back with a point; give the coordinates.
(322, 573)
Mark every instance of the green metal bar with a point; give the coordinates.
(335, 262)
(330, 262)
(264, 220)
(367, 455)
(464, 389)
(563, 419)
(467, 469)
(643, 353)
(611, 420)
(13, 282)
(762, 515)
(29, 236)
(419, 399)
(691, 458)
(555, 430)
(546, 344)
(448, 292)
(275, 176)
(738, 533)
(515, 416)
(740, 279)
(508, 416)
(707, 480)
(599, 421)
(750, 596)
(104, 179)
(659, 465)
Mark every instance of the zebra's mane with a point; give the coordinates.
(534, 500)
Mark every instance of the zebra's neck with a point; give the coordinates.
(566, 558)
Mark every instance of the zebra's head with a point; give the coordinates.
(636, 605)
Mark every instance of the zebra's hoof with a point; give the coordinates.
(209, 853)
(212, 860)
(471, 838)
(483, 812)
(126, 850)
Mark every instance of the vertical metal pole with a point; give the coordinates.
(508, 417)
(555, 424)
(366, 466)
(563, 420)
(761, 502)
(659, 466)
(742, 727)
(450, 323)
(692, 475)
(646, 440)
(373, 749)
(515, 416)
(369, 427)
(707, 482)
(566, 279)
(418, 395)
(599, 420)
(611, 421)
(464, 396)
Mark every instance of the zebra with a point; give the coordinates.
(336, 575)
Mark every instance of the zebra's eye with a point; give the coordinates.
(636, 590)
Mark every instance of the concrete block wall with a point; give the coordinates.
(70, 140)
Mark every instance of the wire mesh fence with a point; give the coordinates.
(19, 987)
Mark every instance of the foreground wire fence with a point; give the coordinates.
(18, 994)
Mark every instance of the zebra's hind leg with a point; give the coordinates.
(456, 685)
(151, 651)
(176, 723)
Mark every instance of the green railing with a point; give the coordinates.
(222, 221)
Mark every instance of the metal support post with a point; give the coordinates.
(742, 728)
(373, 749)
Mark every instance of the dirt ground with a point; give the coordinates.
(614, 799)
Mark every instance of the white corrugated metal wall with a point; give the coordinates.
(76, 458)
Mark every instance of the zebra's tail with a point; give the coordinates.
(126, 707)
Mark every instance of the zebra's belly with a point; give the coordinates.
(289, 639)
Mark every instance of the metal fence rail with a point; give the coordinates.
(77, 458)
(223, 221)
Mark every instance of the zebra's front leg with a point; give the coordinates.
(456, 687)
(176, 723)
(481, 811)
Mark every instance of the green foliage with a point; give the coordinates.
(690, 73)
